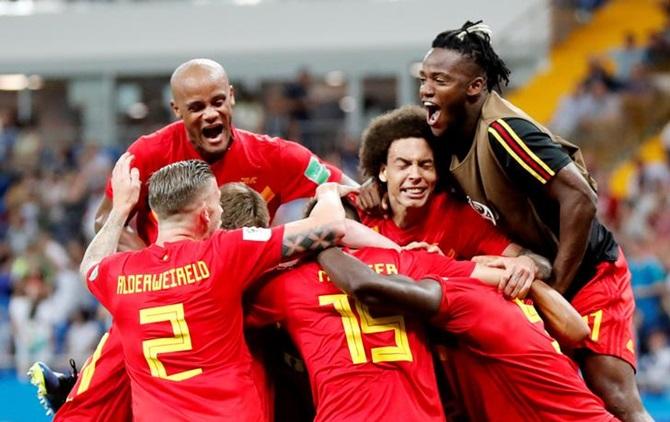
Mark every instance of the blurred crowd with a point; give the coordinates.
(49, 192)
(624, 99)
(48, 195)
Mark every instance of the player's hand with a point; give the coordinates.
(125, 184)
(484, 259)
(423, 245)
(329, 187)
(371, 200)
(518, 277)
(130, 241)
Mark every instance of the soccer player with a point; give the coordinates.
(203, 99)
(534, 185)
(396, 153)
(362, 364)
(178, 303)
(529, 379)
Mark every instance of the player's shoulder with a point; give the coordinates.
(256, 150)
(514, 127)
(111, 262)
(244, 234)
(159, 143)
(257, 140)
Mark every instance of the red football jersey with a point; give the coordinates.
(178, 309)
(102, 390)
(525, 375)
(452, 225)
(362, 364)
(279, 170)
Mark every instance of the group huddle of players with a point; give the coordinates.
(469, 203)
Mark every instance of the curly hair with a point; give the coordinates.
(401, 123)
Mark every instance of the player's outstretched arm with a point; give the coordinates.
(356, 278)
(562, 320)
(359, 236)
(323, 228)
(126, 184)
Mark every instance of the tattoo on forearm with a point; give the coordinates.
(313, 241)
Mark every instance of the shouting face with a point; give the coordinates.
(204, 99)
(449, 80)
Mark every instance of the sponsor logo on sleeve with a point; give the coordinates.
(316, 171)
(256, 234)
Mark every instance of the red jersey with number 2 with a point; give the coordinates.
(178, 309)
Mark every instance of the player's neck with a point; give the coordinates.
(170, 232)
(464, 135)
(405, 217)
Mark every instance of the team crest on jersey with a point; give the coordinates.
(256, 234)
(483, 210)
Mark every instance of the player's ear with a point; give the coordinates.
(476, 86)
(382, 173)
(175, 109)
(204, 216)
(232, 95)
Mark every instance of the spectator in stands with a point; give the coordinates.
(627, 57)
(598, 73)
(570, 112)
(654, 366)
(82, 336)
(602, 112)
(30, 316)
(648, 279)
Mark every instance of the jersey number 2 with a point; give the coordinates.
(181, 341)
(369, 325)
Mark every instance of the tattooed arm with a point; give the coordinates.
(323, 228)
(126, 185)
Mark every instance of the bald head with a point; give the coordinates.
(195, 72)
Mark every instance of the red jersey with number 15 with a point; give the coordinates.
(450, 224)
(362, 364)
(279, 170)
(178, 309)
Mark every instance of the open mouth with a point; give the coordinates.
(213, 132)
(414, 192)
(433, 112)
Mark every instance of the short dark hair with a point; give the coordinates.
(350, 210)
(401, 123)
(242, 207)
(476, 44)
(176, 186)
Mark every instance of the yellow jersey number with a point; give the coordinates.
(369, 325)
(180, 342)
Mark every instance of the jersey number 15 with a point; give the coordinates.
(369, 325)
